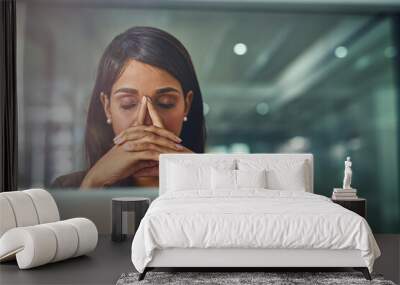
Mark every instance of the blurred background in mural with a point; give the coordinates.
(272, 81)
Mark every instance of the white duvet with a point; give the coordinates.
(251, 218)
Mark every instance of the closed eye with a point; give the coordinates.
(166, 106)
(128, 106)
(166, 101)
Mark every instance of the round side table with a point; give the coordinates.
(120, 207)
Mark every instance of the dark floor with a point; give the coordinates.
(389, 262)
(110, 260)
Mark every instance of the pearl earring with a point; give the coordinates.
(185, 119)
(108, 121)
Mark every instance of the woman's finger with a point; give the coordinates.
(145, 143)
(138, 132)
(145, 163)
(161, 141)
(130, 135)
(146, 155)
(148, 171)
(153, 114)
(141, 113)
(186, 150)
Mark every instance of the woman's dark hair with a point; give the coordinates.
(157, 48)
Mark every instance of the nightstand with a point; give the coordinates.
(358, 206)
(120, 208)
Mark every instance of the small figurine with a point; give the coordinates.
(347, 174)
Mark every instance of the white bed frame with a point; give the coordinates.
(250, 257)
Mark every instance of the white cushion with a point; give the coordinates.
(45, 206)
(183, 177)
(223, 179)
(227, 179)
(27, 208)
(31, 232)
(67, 239)
(7, 220)
(281, 174)
(40, 244)
(23, 208)
(251, 178)
(31, 246)
(87, 233)
(186, 175)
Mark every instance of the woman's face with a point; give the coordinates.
(137, 80)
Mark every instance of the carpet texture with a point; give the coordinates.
(225, 278)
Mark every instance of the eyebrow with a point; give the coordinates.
(158, 91)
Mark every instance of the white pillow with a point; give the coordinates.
(185, 175)
(50, 242)
(251, 178)
(226, 179)
(287, 174)
(183, 178)
(223, 179)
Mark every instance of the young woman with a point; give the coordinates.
(146, 101)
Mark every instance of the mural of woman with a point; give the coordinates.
(146, 101)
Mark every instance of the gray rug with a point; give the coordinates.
(225, 278)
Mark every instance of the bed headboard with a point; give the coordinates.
(190, 157)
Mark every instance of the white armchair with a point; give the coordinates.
(31, 230)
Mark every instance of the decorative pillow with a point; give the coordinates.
(182, 178)
(186, 175)
(227, 179)
(281, 174)
(223, 179)
(251, 178)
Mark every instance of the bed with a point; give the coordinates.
(246, 211)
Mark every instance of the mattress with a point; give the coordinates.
(250, 218)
